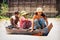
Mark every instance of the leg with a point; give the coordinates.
(36, 24)
(42, 22)
(10, 26)
(49, 27)
(46, 30)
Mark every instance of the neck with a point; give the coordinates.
(39, 15)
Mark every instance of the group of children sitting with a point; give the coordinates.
(39, 21)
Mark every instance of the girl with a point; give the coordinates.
(25, 23)
(40, 22)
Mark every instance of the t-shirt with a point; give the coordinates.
(25, 23)
(22, 19)
(13, 17)
(16, 19)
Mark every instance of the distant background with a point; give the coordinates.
(51, 8)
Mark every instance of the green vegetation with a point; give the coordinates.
(58, 16)
(3, 17)
(3, 9)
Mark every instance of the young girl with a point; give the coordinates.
(40, 21)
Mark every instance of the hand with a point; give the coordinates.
(31, 30)
(15, 25)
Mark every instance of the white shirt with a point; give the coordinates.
(18, 24)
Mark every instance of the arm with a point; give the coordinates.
(33, 23)
(44, 16)
(46, 20)
(12, 22)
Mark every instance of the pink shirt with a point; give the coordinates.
(22, 19)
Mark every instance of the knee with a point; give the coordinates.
(42, 21)
(36, 20)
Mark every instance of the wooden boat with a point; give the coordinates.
(21, 31)
(36, 32)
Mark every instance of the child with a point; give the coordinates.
(25, 23)
(39, 20)
(14, 20)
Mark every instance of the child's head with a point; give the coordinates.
(39, 11)
(16, 13)
(24, 13)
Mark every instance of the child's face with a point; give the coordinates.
(16, 15)
(26, 16)
(39, 13)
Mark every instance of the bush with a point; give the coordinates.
(3, 9)
(58, 16)
(3, 17)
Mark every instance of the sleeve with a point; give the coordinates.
(13, 17)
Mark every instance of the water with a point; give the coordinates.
(53, 35)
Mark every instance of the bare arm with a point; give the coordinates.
(12, 22)
(33, 23)
(46, 20)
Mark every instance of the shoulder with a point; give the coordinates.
(13, 17)
(35, 16)
(22, 18)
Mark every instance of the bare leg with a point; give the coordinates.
(49, 27)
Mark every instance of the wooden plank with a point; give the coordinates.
(22, 31)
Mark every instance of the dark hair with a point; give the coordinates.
(43, 15)
(36, 13)
(16, 12)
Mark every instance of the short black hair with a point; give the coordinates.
(16, 12)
